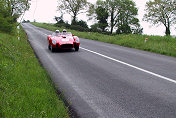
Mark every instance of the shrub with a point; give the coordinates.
(66, 25)
(81, 23)
(5, 26)
(94, 28)
(79, 28)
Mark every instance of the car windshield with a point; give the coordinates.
(62, 33)
(56, 34)
(66, 33)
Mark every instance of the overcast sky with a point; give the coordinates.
(45, 10)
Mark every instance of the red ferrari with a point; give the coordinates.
(63, 40)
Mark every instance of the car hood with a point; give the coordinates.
(63, 39)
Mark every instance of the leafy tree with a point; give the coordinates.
(94, 27)
(124, 29)
(26, 21)
(122, 14)
(16, 7)
(59, 19)
(126, 18)
(5, 26)
(73, 7)
(113, 7)
(135, 27)
(99, 13)
(102, 16)
(137, 30)
(10, 10)
(161, 12)
(82, 24)
(13, 8)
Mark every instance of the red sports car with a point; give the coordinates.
(63, 40)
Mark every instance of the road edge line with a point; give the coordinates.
(132, 66)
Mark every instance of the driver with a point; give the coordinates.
(64, 31)
(57, 32)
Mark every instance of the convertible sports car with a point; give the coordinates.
(63, 40)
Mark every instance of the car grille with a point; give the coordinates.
(67, 46)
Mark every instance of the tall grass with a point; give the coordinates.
(165, 45)
(25, 88)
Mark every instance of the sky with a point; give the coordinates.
(46, 10)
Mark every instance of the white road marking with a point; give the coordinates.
(146, 71)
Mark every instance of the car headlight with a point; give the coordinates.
(77, 40)
(54, 42)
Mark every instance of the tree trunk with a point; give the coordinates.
(103, 29)
(111, 29)
(74, 20)
(112, 20)
(167, 31)
(168, 27)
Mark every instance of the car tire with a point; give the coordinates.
(76, 48)
(49, 47)
(52, 49)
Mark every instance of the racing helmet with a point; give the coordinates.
(64, 30)
(57, 31)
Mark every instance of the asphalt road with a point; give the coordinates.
(108, 81)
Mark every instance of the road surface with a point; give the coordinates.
(108, 81)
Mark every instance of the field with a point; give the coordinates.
(165, 45)
(25, 87)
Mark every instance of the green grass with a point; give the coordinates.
(26, 90)
(158, 44)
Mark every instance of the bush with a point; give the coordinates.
(26, 21)
(5, 26)
(94, 28)
(81, 23)
(66, 25)
(79, 28)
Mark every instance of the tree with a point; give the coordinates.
(5, 26)
(10, 10)
(121, 14)
(16, 7)
(94, 28)
(126, 18)
(73, 7)
(99, 12)
(136, 28)
(13, 8)
(161, 12)
(59, 19)
(113, 9)
(102, 16)
(82, 24)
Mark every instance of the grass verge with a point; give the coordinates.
(25, 88)
(159, 44)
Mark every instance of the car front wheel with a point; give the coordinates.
(49, 47)
(52, 49)
(76, 48)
